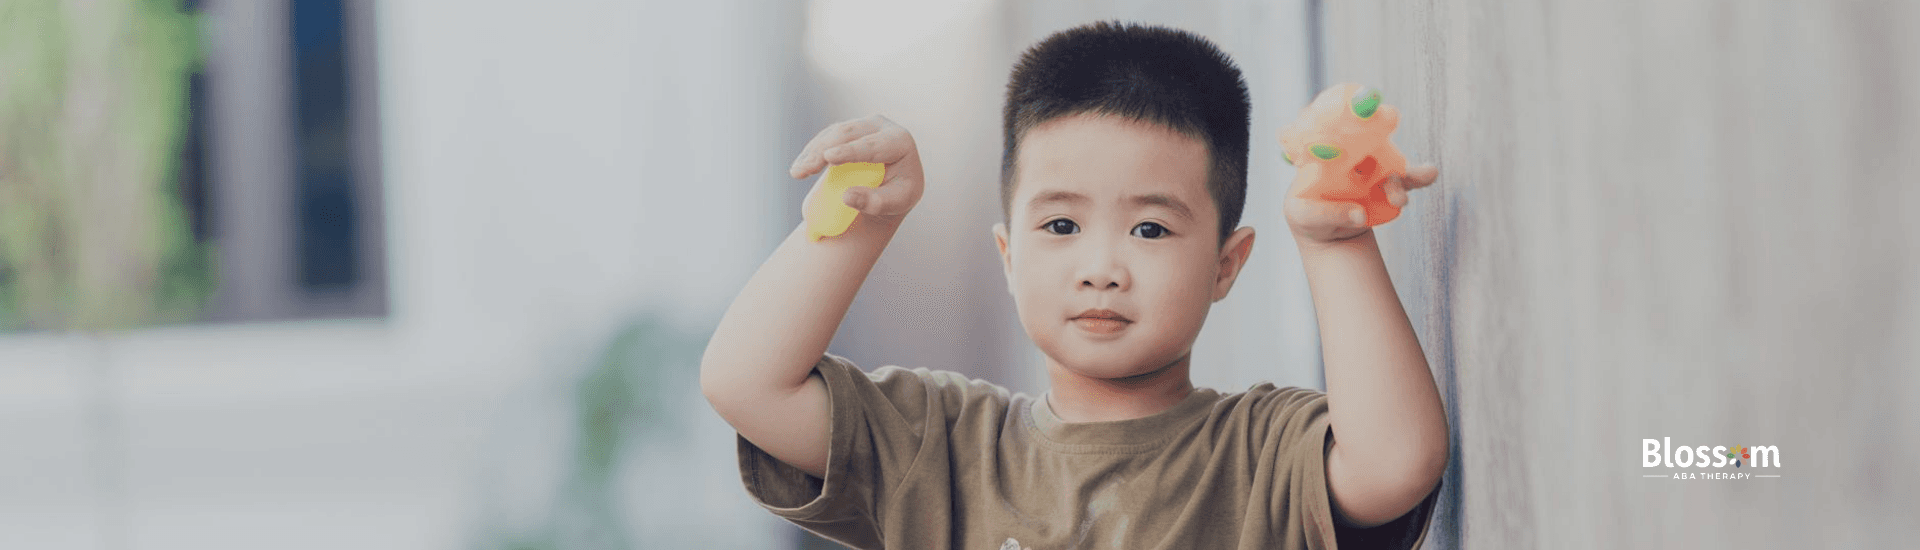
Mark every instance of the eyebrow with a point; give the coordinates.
(1162, 200)
(1046, 197)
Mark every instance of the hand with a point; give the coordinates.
(870, 139)
(1324, 221)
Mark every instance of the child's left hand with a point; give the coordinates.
(1322, 221)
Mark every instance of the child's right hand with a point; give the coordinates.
(870, 139)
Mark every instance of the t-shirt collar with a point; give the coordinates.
(1120, 435)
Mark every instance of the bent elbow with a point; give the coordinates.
(716, 386)
(1438, 453)
(1426, 465)
(1373, 489)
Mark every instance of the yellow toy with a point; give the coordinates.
(826, 213)
(1342, 148)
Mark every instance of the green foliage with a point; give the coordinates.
(624, 400)
(92, 118)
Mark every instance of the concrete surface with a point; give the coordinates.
(1688, 220)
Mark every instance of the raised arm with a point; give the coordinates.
(1389, 427)
(755, 372)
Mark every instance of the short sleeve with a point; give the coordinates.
(1303, 435)
(877, 429)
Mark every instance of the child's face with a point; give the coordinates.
(1113, 214)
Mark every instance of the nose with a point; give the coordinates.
(1103, 270)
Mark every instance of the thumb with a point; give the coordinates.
(855, 197)
(886, 200)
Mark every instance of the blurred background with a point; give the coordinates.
(437, 274)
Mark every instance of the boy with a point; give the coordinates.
(1122, 183)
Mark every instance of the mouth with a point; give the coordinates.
(1102, 321)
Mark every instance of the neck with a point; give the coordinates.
(1079, 398)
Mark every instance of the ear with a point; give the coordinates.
(1233, 257)
(1006, 260)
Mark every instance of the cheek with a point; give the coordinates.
(1034, 285)
(1184, 289)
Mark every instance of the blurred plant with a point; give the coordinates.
(92, 117)
(625, 398)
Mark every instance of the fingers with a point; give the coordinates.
(1421, 176)
(886, 200)
(1417, 177)
(1322, 213)
(812, 159)
(885, 146)
(870, 139)
(1396, 188)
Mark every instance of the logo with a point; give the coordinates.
(1660, 453)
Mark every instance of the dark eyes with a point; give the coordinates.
(1145, 230)
(1150, 230)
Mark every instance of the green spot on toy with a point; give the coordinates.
(1324, 151)
(1365, 102)
(1289, 158)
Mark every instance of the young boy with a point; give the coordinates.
(1122, 184)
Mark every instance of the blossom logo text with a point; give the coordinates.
(1660, 453)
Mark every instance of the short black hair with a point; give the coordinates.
(1152, 74)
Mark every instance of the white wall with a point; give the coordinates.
(1685, 220)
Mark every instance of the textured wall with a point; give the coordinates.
(1688, 220)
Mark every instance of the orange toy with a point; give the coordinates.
(1340, 144)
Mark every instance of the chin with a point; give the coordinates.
(1133, 354)
(1107, 364)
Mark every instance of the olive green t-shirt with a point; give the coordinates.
(931, 460)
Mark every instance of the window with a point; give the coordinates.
(282, 167)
